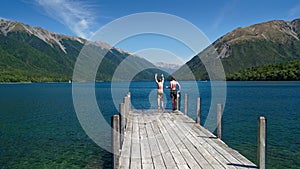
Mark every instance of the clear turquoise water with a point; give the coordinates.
(39, 127)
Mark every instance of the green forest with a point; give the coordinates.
(286, 71)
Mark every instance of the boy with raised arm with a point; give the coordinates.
(160, 92)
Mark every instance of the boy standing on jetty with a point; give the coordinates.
(160, 92)
(174, 92)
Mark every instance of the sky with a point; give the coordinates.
(83, 18)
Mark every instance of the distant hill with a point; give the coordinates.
(33, 54)
(283, 71)
(167, 67)
(257, 45)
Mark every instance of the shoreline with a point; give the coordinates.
(202, 81)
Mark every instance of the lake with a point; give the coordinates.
(39, 127)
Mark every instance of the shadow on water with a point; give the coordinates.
(242, 165)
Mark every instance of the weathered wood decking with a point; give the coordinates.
(173, 140)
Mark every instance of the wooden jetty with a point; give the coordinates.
(168, 140)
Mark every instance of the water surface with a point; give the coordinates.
(39, 126)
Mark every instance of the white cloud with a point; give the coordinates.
(76, 15)
(228, 8)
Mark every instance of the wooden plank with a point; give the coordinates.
(147, 166)
(124, 161)
(244, 161)
(215, 159)
(221, 148)
(179, 160)
(206, 143)
(135, 158)
(155, 152)
(145, 148)
(184, 153)
(164, 150)
(199, 159)
(236, 158)
(183, 147)
(199, 146)
(172, 140)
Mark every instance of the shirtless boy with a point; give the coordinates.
(160, 91)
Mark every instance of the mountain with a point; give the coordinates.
(257, 45)
(33, 54)
(167, 67)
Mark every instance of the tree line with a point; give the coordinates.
(287, 71)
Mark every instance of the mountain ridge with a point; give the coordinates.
(35, 54)
(47, 36)
(271, 42)
(287, 30)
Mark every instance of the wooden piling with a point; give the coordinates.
(122, 121)
(261, 143)
(126, 101)
(219, 121)
(115, 121)
(177, 101)
(198, 113)
(186, 104)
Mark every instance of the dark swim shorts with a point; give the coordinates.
(173, 94)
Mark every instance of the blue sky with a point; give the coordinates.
(83, 18)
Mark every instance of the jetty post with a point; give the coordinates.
(198, 109)
(261, 142)
(185, 103)
(178, 101)
(118, 123)
(128, 95)
(126, 101)
(127, 108)
(219, 121)
(122, 121)
(115, 121)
